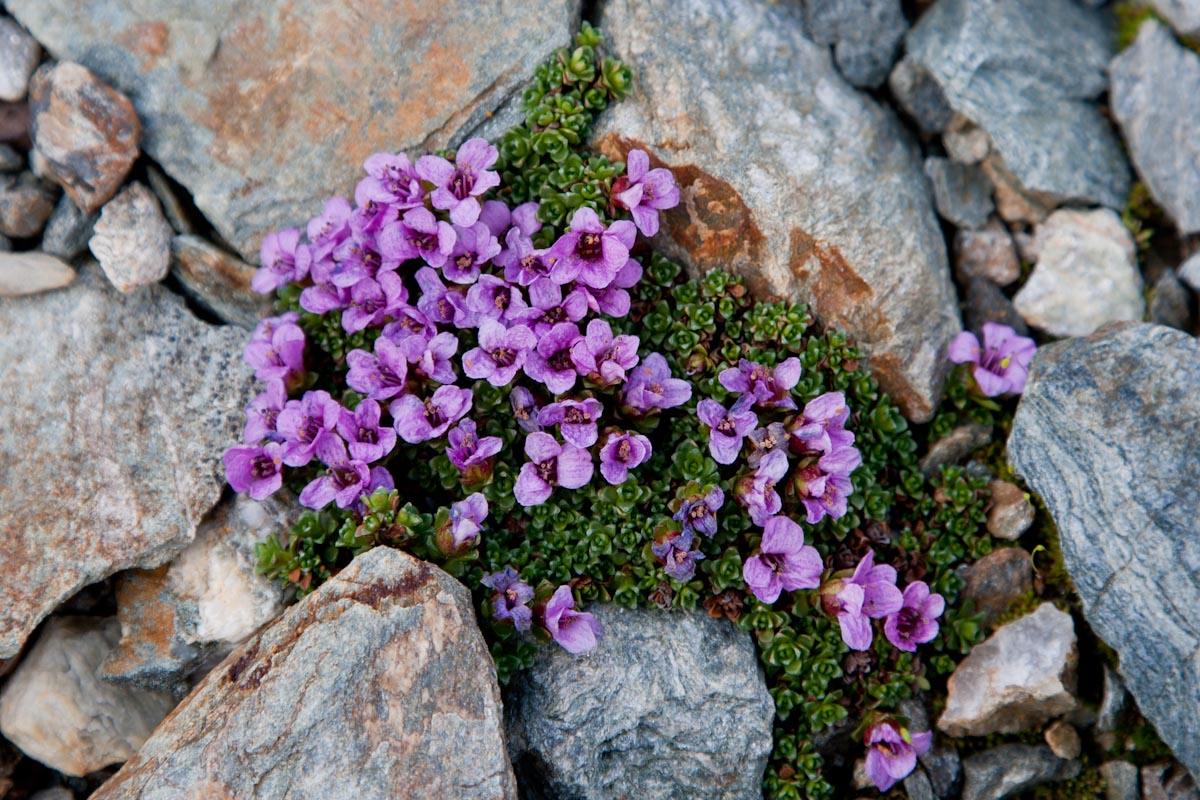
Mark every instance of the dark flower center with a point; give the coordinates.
(502, 299)
(775, 561)
(263, 467)
(464, 261)
(462, 183)
(656, 388)
(423, 241)
(504, 356)
(547, 469)
(368, 435)
(371, 259)
(309, 429)
(698, 511)
(575, 416)
(532, 263)
(907, 620)
(344, 475)
(444, 308)
(370, 305)
(511, 596)
(590, 246)
(270, 418)
(726, 426)
(553, 315)
(433, 414)
(561, 361)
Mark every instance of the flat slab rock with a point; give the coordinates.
(1107, 434)
(117, 411)
(668, 705)
(803, 185)
(324, 86)
(378, 684)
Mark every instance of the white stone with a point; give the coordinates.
(32, 272)
(133, 239)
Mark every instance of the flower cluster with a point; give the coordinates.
(869, 592)
(892, 752)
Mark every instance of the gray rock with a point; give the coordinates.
(132, 240)
(961, 192)
(865, 35)
(1023, 675)
(756, 197)
(1189, 272)
(130, 425)
(668, 705)
(56, 793)
(218, 280)
(1015, 203)
(57, 710)
(19, 57)
(917, 786)
(1026, 72)
(1011, 769)
(1184, 15)
(10, 160)
(920, 96)
(941, 762)
(378, 684)
(32, 272)
(1168, 782)
(172, 203)
(1120, 780)
(1113, 701)
(965, 141)
(1155, 98)
(1011, 512)
(985, 302)
(1063, 739)
(323, 98)
(1086, 275)
(955, 446)
(1171, 303)
(998, 580)
(25, 205)
(1124, 402)
(987, 253)
(68, 231)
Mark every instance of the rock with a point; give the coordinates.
(985, 302)
(920, 96)
(1015, 203)
(1086, 275)
(1011, 512)
(25, 205)
(132, 240)
(206, 601)
(987, 254)
(953, 448)
(961, 192)
(1113, 701)
(1010, 769)
(14, 123)
(1129, 545)
(1184, 15)
(31, 272)
(1171, 303)
(1027, 72)
(1189, 272)
(1155, 98)
(218, 281)
(306, 68)
(1064, 740)
(378, 684)
(865, 35)
(68, 231)
(965, 141)
(57, 710)
(174, 206)
(56, 793)
(1023, 675)
(669, 705)
(85, 131)
(1168, 782)
(130, 425)
(1120, 780)
(10, 160)
(19, 57)
(917, 786)
(756, 198)
(998, 580)
(940, 761)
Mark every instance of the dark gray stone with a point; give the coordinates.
(668, 705)
(1112, 702)
(917, 786)
(10, 160)
(1171, 304)
(998, 580)
(955, 446)
(941, 762)
(68, 230)
(1106, 433)
(1012, 768)
(985, 302)
(865, 35)
(26, 202)
(920, 96)
(962, 192)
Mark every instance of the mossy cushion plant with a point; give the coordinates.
(482, 362)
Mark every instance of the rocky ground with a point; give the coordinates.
(906, 169)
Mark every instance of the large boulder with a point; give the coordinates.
(117, 410)
(378, 684)
(1107, 433)
(788, 176)
(264, 108)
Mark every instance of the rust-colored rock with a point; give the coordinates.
(218, 280)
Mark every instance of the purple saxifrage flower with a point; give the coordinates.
(550, 464)
(345, 482)
(1001, 364)
(869, 593)
(602, 358)
(576, 420)
(823, 486)
(378, 375)
(524, 408)
(916, 621)
(621, 453)
(892, 756)
(821, 426)
(550, 363)
(418, 234)
(372, 300)
(548, 308)
(880, 595)
(644, 191)
(757, 490)
(678, 557)
(576, 631)
(494, 298)
(304, 423)
(698, 512)
(461, 531)
(284, 260)
(466, 450)
(650, 386)
(770, 388)
(522, 262)
(500, 354)
(280, 358)
(727, 429)
(590, 253)
(473, 247)
(420, 420)
(258, 471)
(783, 562)
(458, 186)
(510, 598)
(367, 439)
(391, 180)
(430, 358)
(764, 441)
(329, 228)
(262, 415)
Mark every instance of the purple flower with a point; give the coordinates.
(495, 298)
(501, 352)
(613, 299)
(266, 327)
(916, 621)
(391, 181)
(522, 262)
(770, 388)
(891, 755)
(880, 595)
(764, 441)
(644, 191)
(699, 511)
(304, 423)
(345, 482)
(417, 234)
(757, 491)
(590, 253)
(458, 185)
(602, 358)
(497, 217)
(524, 408)
(783, 562)
(279, 359)
(576, 631)
(473, 247)
(467, 451)
(430, 358)
(621, 453)
(550, 363)
(360, 428)
(421, 420)
(821, 426)
(461, 531)
(869, 593)
(846, 605)
(1001, 364)
(329, 228)
(372, 300)
(576, 420)
(262, 415)
(258, 471)
(824, 486)
(284, 260)
(510, 598)
(409, 321)
(325, 297)
(550, 464)
(678, 557)
(651, 386)
(547, 307)
(440, 304)
(378, 376)
(727, 429)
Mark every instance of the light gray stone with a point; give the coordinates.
(132, 240)
(19, 57)
(129, 426)
(668, 705)
(1184, 15)
(1106, 433)
(961, 192)
(757, 199)
(920, 96)
(378, 684)
(965, 141)
(1120, 780)
(1155, 98)
(32, 272)
(1027, 72)
(1112, 703)
(219, 281)
(987, 253)
(69, 230)
(1189, 272)
(1010, 769)
(56, 708)
(1011, 512)
(865, 35)
(1086, 275)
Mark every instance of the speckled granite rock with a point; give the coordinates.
(865, 35)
